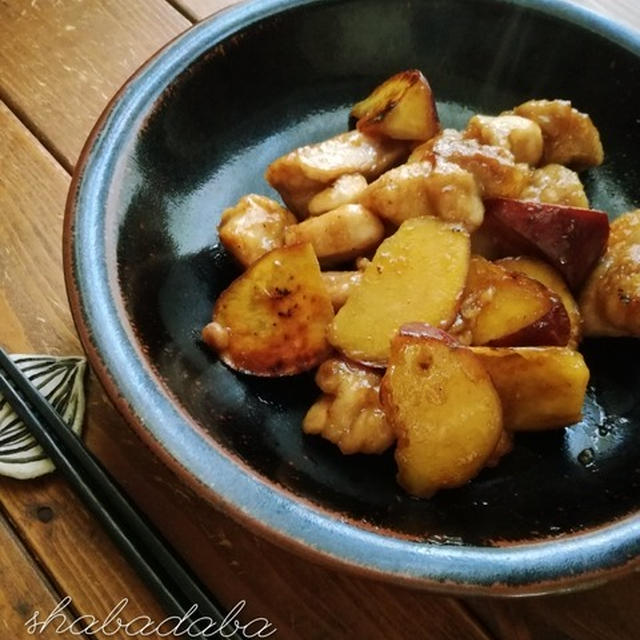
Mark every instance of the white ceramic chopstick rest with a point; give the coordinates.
(60, 380)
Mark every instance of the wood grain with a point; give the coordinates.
(24, 591)
(608, 613)
(70, 544)
(199, 9)
(61, 61)
(626, 12)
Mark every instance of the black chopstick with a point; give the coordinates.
(177, 589)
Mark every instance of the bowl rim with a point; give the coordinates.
(555, 564)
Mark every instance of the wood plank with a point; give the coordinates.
(303, 600)
(24, 591)
(608, 613)
(199, 9)
(624, 11)
(62, 61)
(71, 545)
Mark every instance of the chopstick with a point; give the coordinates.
(176, 588)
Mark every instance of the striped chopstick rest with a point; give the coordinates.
(61, 381)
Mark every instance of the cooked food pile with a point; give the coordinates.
(440, 281)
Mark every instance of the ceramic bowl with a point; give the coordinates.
(192, 131)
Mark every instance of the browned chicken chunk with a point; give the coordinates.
(339, 235)
(610, 301)
(349, 412)
(306, 171)
(521, 136)
(345, 190)
(440, 189)
(340, 285)
(495, 169)
(555, 184)
(253, 227)
(570, 137)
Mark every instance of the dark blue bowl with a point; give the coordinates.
(192, 131)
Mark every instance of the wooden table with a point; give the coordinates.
(60, 61)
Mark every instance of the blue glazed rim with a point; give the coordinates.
(580, 560)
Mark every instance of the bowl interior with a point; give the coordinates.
(287, 81)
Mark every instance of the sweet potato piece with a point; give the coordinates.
(253, 227)
(569, 238)
(445, 191)
(539, 387)
(443, 408)
(345, 190)
(570, 137)
(306, 171)
(417, 274)
(339, 235)
(402, 107)
(503, 448)
(349, 412)
(340, 285)
(542, 272)
(501, 308)
(272, 320)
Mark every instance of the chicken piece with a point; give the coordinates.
(610, 301)
(306, 171)
(521, 136)
(345, 190)
(362, 263)
(495, 169)
(570, 137)
(339, 235)
(443, 190)
(349, 414)
(253, 227)
(340, 284)
(556, 184)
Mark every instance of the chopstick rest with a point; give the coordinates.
(61, 381)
